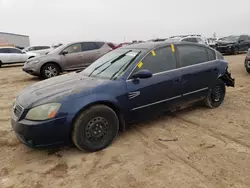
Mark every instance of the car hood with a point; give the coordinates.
(56, 89)
(225, 43)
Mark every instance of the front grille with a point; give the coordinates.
(17, 110)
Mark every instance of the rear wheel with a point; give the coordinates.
(216, 95)
(95, 128)
(248, 67)
(50, 70)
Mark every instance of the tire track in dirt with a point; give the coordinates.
(155, 144)
(215, 134)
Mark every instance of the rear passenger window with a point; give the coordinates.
(99, 44)
(157, 61)
(31, 49)
(191, 55)
(4, 50)
(87, 46)
(211, 54)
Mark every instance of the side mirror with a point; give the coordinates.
(241, 40)
(64, 52)
(144, 73)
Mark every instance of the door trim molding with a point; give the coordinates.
(161, 101)
(169, 99)
(196, 91)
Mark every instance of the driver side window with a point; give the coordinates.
(74, 48)
(159, 60)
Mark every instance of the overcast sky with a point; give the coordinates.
(53, 21)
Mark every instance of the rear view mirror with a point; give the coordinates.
(144, 73)
(64, 52)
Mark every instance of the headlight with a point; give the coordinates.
(34, 62)
(43, 112)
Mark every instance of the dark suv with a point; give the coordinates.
(233, 44)
(247, 61)
(89, 107)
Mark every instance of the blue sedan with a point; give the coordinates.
(89, 107)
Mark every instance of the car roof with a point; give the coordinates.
(152, 45)
(1, 47)
(84, 41)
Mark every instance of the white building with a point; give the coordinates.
(11, 39)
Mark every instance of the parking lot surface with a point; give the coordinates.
(196, 147)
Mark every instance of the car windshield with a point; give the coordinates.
(231, 38)
(58, 49)
(112, 65)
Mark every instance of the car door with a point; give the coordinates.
(90, 53)
(242, 43)
(245, 43)
(199, 70)
(146, 96)
(5, 55)
(73, 56)
(15, 55)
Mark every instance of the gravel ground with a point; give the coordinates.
(209, 148)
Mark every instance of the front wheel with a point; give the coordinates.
(248, 70)
(216, 95)
(50, 70)
(95, 128)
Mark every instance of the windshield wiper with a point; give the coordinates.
(127, 64)
(119, 57)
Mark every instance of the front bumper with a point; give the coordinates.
(38, 134)
(31, 69)
(224, 49)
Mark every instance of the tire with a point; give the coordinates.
(0, 64)
(95, 128)
(248, 70)
(216, 95)
(50, 70)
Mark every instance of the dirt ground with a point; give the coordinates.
(209, 148)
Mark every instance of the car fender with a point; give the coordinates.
(84, 102)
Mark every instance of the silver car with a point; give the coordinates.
(40, 50)
(73, 56)
(11, 55)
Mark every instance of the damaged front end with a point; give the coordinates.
(227, 79)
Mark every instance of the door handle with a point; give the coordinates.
(214, 69)
(178, 80)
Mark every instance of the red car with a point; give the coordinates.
(247, 61)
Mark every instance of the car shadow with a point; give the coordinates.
(64, 149)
